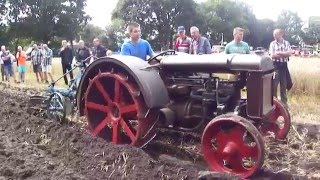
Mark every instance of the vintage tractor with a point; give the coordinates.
(125, 99)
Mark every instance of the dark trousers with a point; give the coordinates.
(2, 71)
(65, 69)
(280, 77)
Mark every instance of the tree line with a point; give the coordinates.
(50, 21)
(215, 18)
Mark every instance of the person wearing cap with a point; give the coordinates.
(280, 51)
(199, 44)
(237, 46)
(183, 42)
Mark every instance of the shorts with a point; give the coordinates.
(22, 69)
(8, 70)
(36, 68)
(46, 68)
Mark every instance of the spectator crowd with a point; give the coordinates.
(41, 55)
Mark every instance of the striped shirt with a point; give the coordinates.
(279, 47)
(36, 56)
(47, 57)
(182, 45)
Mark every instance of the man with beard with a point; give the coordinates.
(136, 46)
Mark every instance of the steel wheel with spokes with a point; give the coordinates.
(115, 110)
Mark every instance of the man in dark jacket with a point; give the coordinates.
(66, 55)
(99, 50)
(83, 52)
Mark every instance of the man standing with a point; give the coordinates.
(6, 58)
(199, 44)
(237, 46)
(280, 51)
(21, 59)
(183, 42)
(66, 55)
(36, 60)
(47, 63)
(83, 52)
(136, 46)
(99, 50)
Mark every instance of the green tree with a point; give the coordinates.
(264, 32)
(44, 19)
(158, 19)
(115, 34)
(292, 24)
(89, 32)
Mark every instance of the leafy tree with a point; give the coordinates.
(115, 34)
(292, 24)
(71, 19)
(158, 19)
(44, 19)
(311, 33)
(264, 32)
(223, 17)
(89, 32)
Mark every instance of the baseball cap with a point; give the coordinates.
(181, 28)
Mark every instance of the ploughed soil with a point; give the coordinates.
(33, 147)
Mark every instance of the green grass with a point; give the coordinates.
(31, 80)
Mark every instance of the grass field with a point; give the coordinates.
(303, 98)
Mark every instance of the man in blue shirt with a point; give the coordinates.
(136, 46)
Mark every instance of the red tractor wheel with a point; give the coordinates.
(115, 110)
(280, 121)
(232, 144)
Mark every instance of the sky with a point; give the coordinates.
(100, 10)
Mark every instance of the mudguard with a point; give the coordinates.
(148, 79)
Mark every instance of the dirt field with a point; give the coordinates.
(32, 147)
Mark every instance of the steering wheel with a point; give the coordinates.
(167, 52)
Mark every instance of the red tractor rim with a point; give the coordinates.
(281, 121)
(118, 114)
(229, 150)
